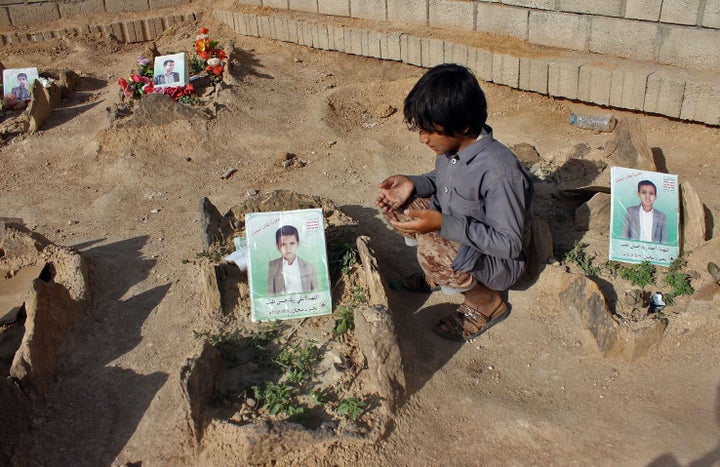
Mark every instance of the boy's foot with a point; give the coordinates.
(419, 282)
(467, 323)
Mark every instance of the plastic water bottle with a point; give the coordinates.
(593, 122)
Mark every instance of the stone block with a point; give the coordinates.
(664, 94)
(158, 4)
(280, 27)
(701, 103)
(322, 41)
(337, 36)
(121, 6)
(711, 15)
(81, 8)
(309, 6)
(690, 48)
(153, 28)
(564, 77)
(305, 33)
(595, 82)
(594, 214)
(596, 7)
(627, 87)
(33, 14)
(265, 27)
(133, 31)
(457, 53)
(534, 74)
(368, 9)
(356, 40)
(648, 10)
(500, 19)
(4, 18)
(506, 70)
(371, 46)
(390, 46)
(480, 61)
(535, 4)
(680, 11)
(454, 14)
(408, 11)
(293, 30)
(624, 38)
(562, 30)
(334, 7)
(411, 49)
(279, 4)
(433, 52)
(251, 25)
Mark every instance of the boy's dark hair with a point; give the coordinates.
(647, 183)
(169, 60)
(21, 74)
(286, 230)
(448, 100)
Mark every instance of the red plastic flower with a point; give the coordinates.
(204, 30)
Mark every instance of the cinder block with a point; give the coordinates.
(252, 25)
(648, 10)
(355, 41)
(410, 11)
(534, 74)
(115, 30)
(701, 103)
(594, 84)
(81, 8)
(280, 27)
(390, 46)
(33, 14)
(305, 34)
(120, 6)
(456, 53)
(480, 61)
(304, 5)
(153, 28)
(337, 34)
(690, 47)
(293, 32)
(134, 31)
(624, 38)
(372, 49)
(562, 30)
(627, 87)
(264, 27)
(433, 52)
(502, 19)
(506, 70)
(455, 14)
(334, 7)
(157, 4)
(322, 37)
(4, 18)
(368, 9)
(564, 77)
(595, 7)
(238, 23)
(711, 15)
(664, 94)
(680, 11)
(535, 4)
(253, 2)
(279, 4)
(411, 49)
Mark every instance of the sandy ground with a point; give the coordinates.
(533, 391)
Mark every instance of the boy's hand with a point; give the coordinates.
(423, 221)
(394, 191)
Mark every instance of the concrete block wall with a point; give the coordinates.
(684, 33)
(24, 12)
(644, 86)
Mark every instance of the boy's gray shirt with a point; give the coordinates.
(485, 196)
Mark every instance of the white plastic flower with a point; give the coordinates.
(213, 62)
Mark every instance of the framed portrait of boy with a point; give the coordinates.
(644, 216)
(287, 264)
(19, 82)
(169, 70)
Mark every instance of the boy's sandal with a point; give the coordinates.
(468, 323)
(419, 282)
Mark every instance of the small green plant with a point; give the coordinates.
(351, 408)
(215, 253)
(275, 397)
(344, 258)
(345, 320)
(357, 295)
(639, 275)
(297, 362)
(578, 256)
(612, 268)
(189, 100)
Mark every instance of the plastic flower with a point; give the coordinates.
(142, 61)
(213, 62)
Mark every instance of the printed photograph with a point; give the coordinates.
(19, 82)
(169, 70)
(287, 264)
(644, 216)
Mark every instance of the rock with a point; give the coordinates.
(698, 259)
(40, 107)
(527, 154)
(540, 251)
(383, 111)
(594, 214)
(210, 224)
(68, 81)
(628, 148)
(628, 340)
(693, 224)
(197, 378)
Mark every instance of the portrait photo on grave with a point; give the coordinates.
(19, 82)
(644, 216)
(287, 264)
(169, 70)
